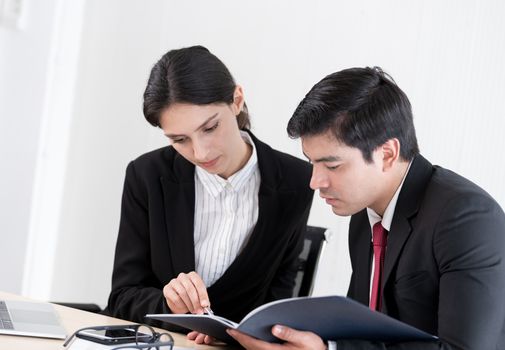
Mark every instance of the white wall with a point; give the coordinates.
(24, 58)
(447, 56)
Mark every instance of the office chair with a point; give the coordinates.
(81, 306)
(308, 260)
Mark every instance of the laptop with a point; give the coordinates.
(30, 319)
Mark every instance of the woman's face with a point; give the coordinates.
(207, 135)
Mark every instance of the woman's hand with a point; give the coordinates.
(186, 293)
(200, 338)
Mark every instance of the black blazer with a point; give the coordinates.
(155, 241)
(444, 270)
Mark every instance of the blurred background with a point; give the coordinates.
(72, 74)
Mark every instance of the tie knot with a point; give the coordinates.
(379, 236)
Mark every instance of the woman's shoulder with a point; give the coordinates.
(286, 160)
(289, 161)
(154, 158)
(294, 172)
(266, 150)
(160, 162)
(158, 155)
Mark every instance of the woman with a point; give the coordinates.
(216, 218)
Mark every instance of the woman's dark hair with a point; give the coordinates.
(189, 75)
(363, 108)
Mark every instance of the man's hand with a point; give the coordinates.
(186, 293)
(294, 340)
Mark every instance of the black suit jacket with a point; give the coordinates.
(155, 241)
(444, 270)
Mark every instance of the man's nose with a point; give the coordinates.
(319, 179)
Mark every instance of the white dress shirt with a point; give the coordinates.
(226, 212)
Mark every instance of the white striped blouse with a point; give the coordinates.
(226, 212)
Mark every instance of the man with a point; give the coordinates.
(427, 246)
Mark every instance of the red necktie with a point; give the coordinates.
(379, 251)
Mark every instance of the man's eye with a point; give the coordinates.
(178, 140)
(332, 167)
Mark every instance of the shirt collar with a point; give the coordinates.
(387, 218)
(215, 184)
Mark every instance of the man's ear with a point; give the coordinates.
(390, 151)
(238, 100)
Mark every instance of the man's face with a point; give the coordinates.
(344, 179)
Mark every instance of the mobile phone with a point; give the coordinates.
(113, 336)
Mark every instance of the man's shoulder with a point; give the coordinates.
(433, 185)
(448, 185)
(450, 196)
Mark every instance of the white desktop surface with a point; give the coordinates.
(72, 320)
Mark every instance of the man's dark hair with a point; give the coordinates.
(362, 107)
(190, 75)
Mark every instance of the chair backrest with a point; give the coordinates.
(81, 306)
(308, 260)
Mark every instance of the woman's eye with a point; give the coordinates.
(332, 167)
(178, 140)
(212, 128)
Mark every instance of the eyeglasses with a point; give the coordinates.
(134, 336)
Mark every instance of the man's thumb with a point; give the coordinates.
(283, 332)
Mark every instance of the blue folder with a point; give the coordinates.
(331, 317)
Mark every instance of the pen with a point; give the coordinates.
(208, 310)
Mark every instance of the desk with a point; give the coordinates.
(72, 320)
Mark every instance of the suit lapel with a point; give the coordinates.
(271, 195)
(270, 199)
(400, 231)
(179, 200)
(271, 175)
(360, 252)
(409, 200)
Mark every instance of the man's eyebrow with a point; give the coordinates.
(209, 119)
(323, 159)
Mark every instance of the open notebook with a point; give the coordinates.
(331, 317)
